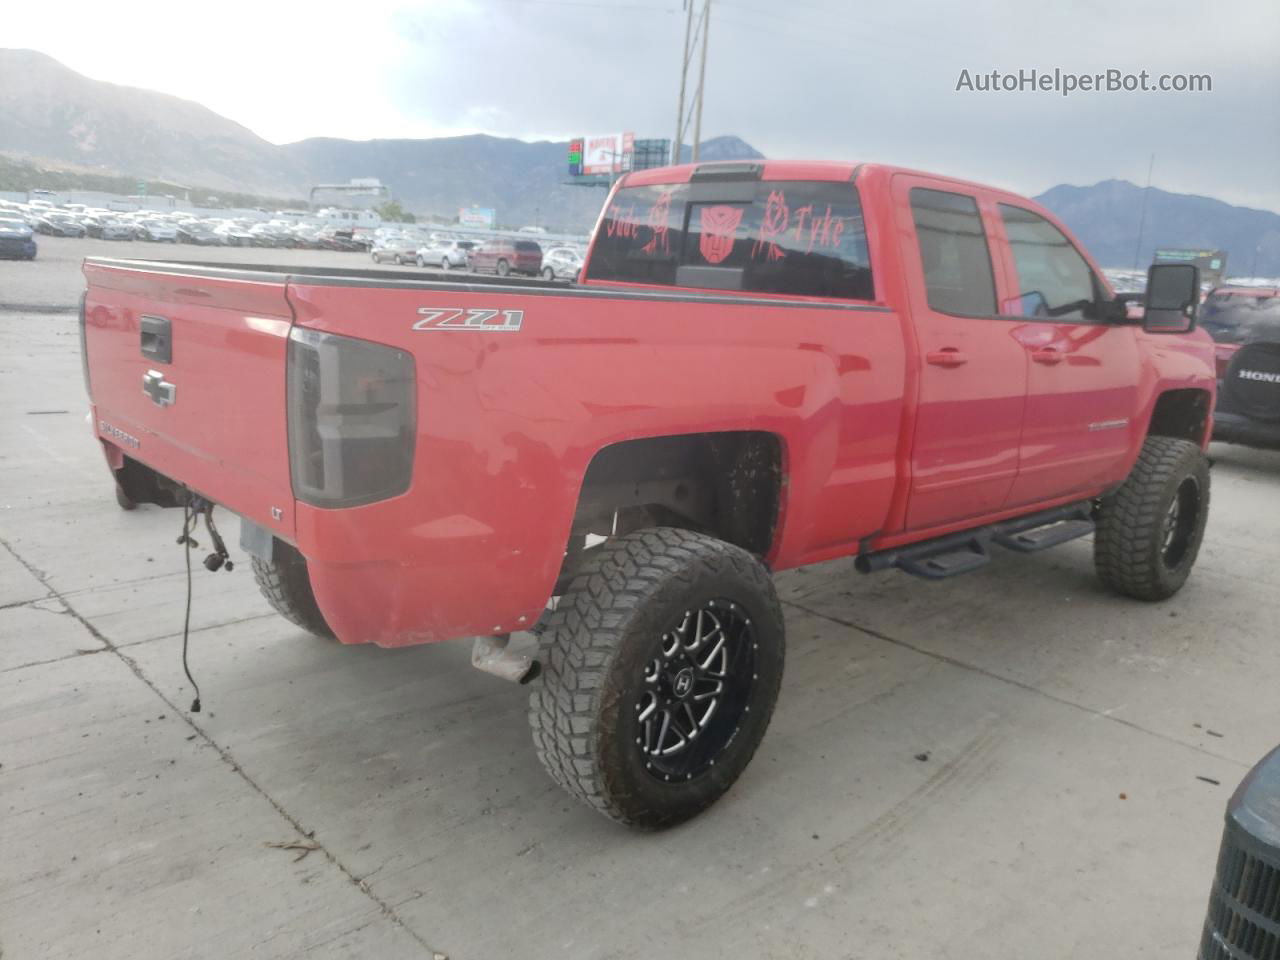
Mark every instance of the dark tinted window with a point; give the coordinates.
(1053, 279)
(798, 238)
(527, 246)
(1240, 318)
(953, 252)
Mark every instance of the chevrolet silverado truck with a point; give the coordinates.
(765, 365)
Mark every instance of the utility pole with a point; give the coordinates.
(1142, 217)
(702, 78)
(684, 75)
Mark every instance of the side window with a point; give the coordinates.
(954, 253)
(1054, 281)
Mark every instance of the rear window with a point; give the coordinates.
(527, 246)
(1239, 318)
(792, 237)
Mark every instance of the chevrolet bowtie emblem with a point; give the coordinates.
(161, 392)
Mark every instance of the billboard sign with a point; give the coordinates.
(482, 217)
(607, 153)
(1212, 263)
(575, 158)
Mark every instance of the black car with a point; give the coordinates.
(198, 234)
(53, 225)
(1245, 324)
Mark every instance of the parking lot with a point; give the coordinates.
(1015, 763)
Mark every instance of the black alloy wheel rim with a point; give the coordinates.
(1180, 523)
(696, 691)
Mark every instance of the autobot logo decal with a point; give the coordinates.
(1262, 376)
(718, 227)
(475, 319)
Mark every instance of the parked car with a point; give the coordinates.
(199, 234)
(396, 248)
(561, 263)
(58, 225)
(116, 230)
(1245, 325)
(504, 256)
(234, 234)
(446, 254)
(742, 385)
(157, 231)
(17, 240)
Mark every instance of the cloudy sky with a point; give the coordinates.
(797, 78)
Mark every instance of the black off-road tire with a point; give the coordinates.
(610, 629)
(287, 587)
(1141, 547)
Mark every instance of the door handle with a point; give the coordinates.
(1048, 355)
(946, 357)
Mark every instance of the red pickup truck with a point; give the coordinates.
(765, 365)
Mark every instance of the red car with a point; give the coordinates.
(504, 256)
(766, 365)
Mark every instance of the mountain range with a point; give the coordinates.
(62, 119)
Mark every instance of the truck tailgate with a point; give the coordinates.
(188, 377)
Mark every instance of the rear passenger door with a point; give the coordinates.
(972, 371)
(1083, 371)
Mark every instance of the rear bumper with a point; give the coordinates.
(1234, 428)
(379, 580)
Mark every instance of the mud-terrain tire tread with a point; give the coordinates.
(287, 587)
(1132, 517)
(582, 636)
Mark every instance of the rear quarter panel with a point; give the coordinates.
(508, 423)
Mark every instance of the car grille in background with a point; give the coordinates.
(1244, 904)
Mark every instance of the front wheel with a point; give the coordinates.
(662, 667)
(1150, 530)
(504, 268)
(422, 263)
(548, 273)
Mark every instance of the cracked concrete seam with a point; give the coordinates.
(385, 908)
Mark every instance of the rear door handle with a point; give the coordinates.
(946, 357)
(1048, 355)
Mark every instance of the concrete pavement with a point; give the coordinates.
(1059, 810)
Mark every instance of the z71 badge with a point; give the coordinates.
(473, 318)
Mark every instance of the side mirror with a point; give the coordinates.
(1172, 298)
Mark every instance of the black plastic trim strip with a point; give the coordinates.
(343, 277)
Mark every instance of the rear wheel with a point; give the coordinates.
(285, 583)
(504, 268)
(1150, 530)
(422, 263)
(444, 263)
(548, 273)
(663, 664)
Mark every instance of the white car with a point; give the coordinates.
(446, 254)
(561, 263)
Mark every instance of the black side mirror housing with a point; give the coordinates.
(1172, 299)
